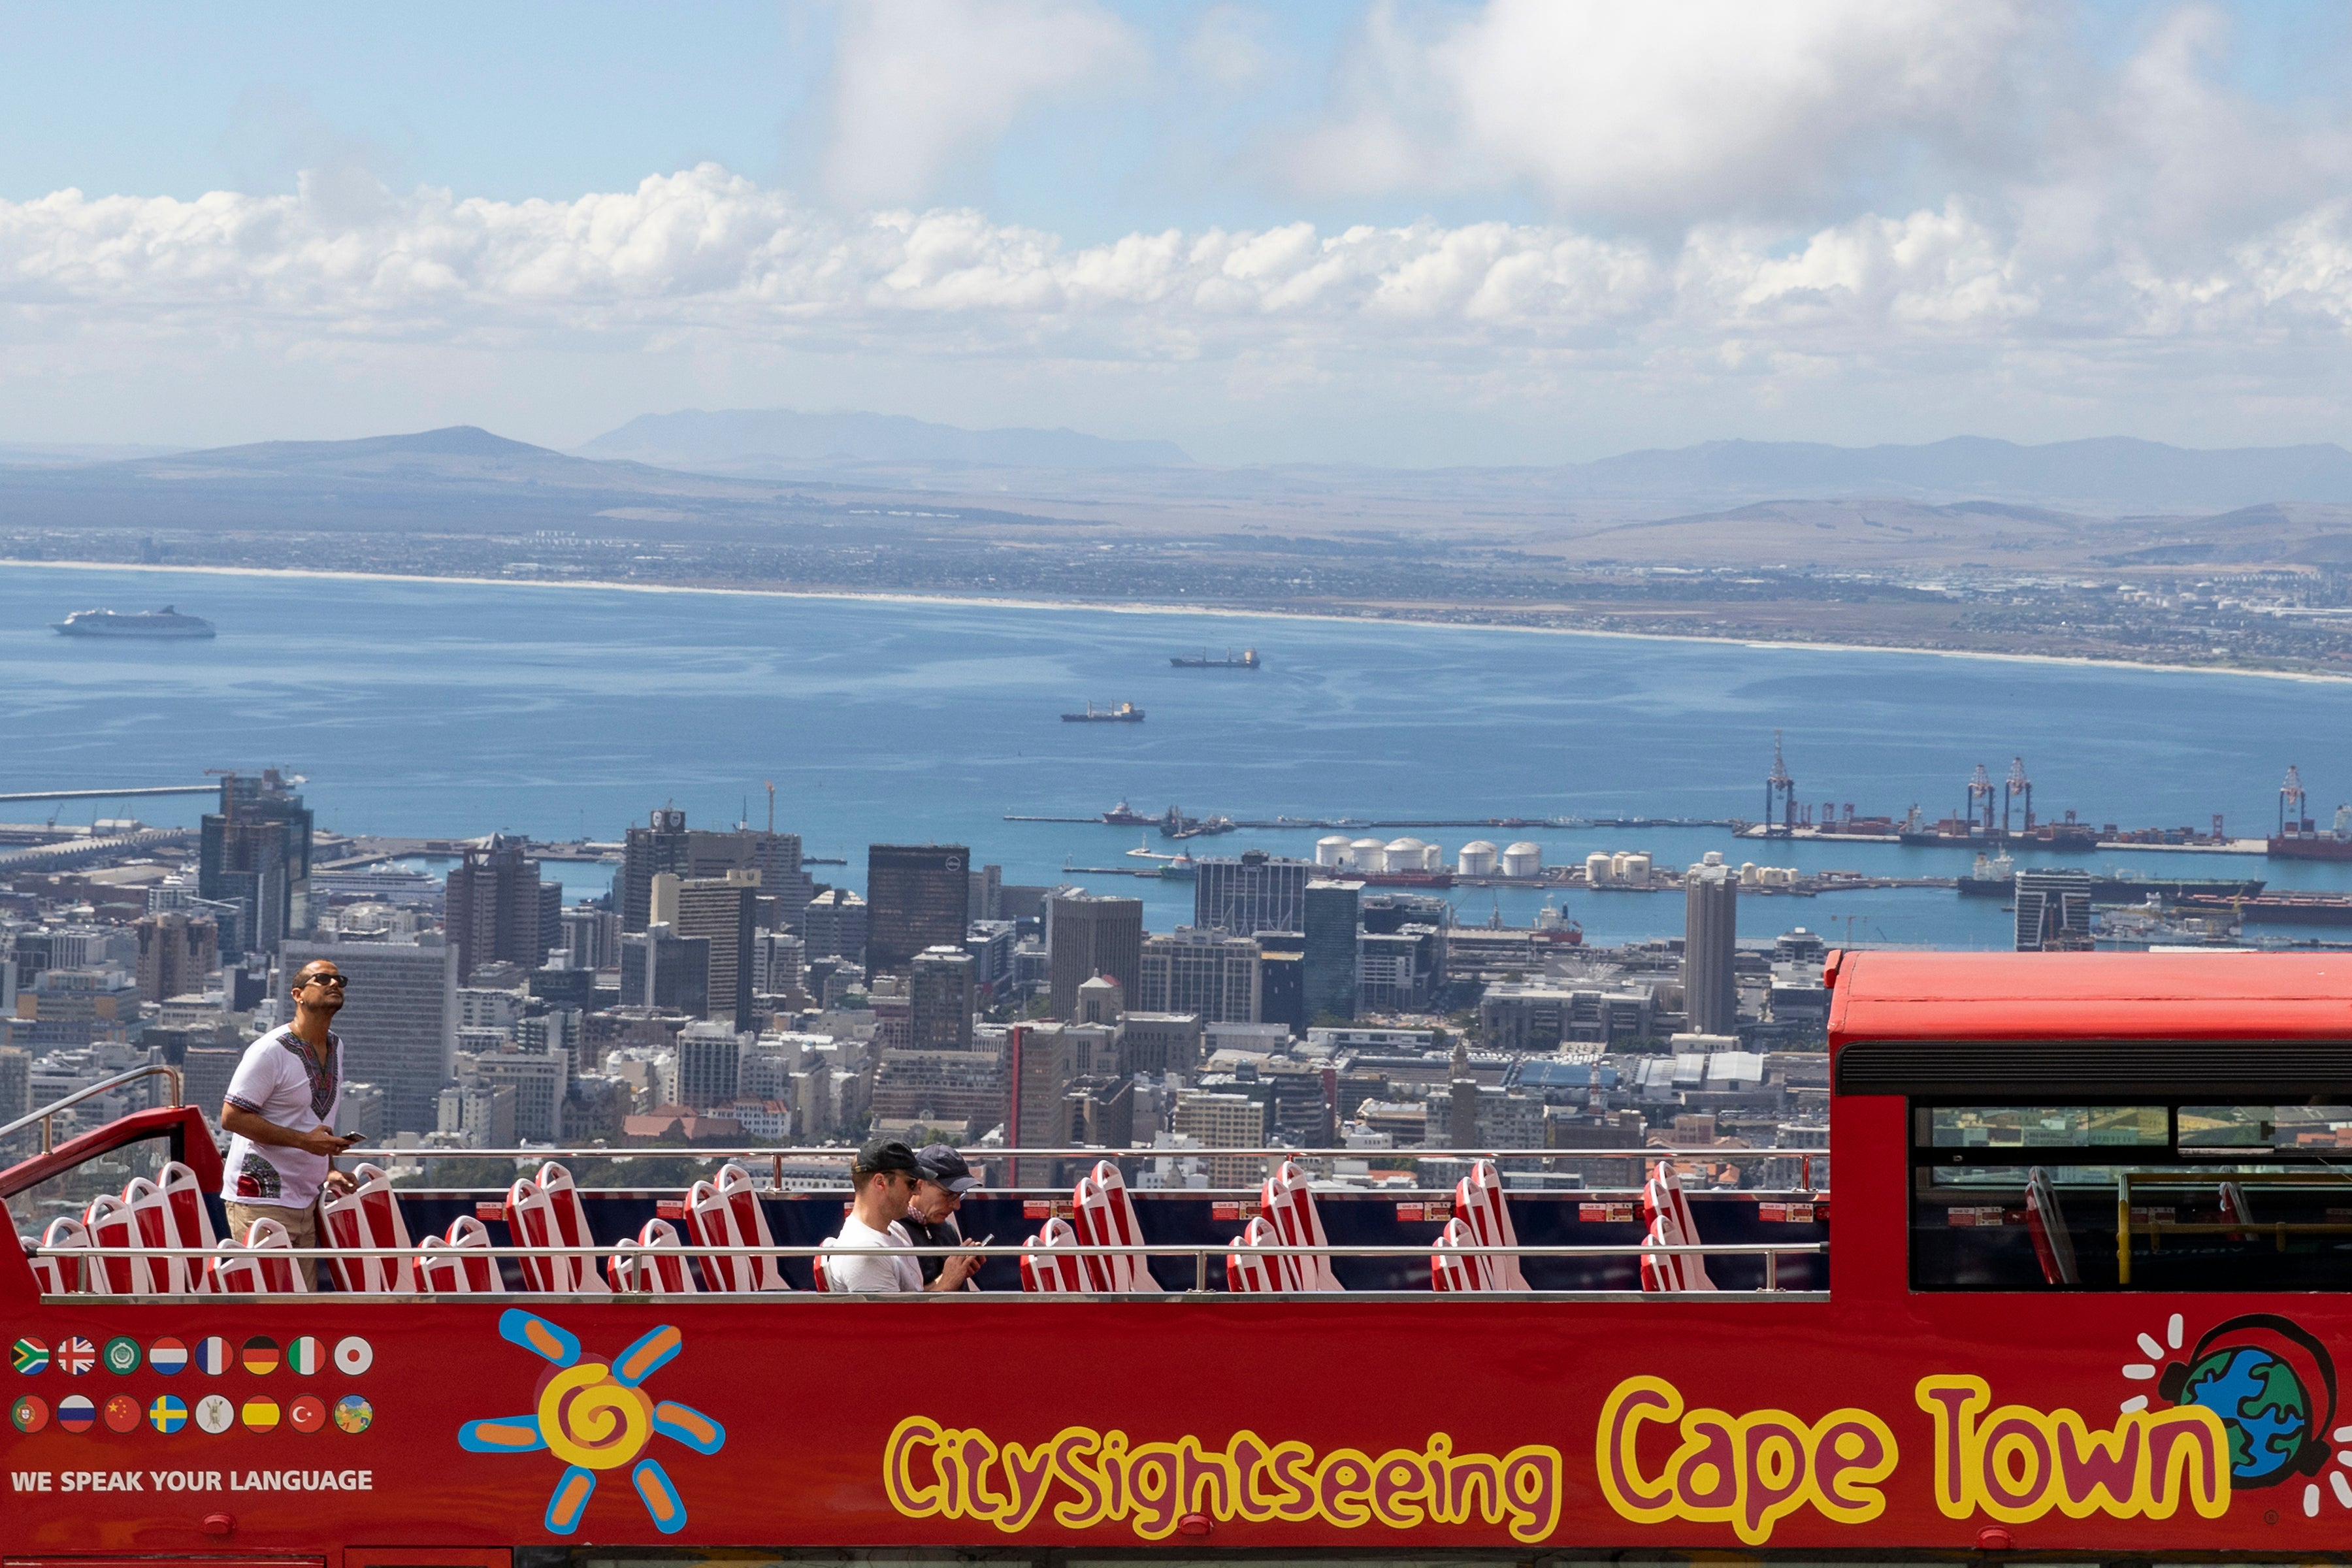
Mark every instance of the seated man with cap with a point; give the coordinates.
(941, 1181)
(883, 1173)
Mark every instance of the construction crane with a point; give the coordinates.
(2017, 784)
(1979, 788)
(2295, 806)
(1777, 784)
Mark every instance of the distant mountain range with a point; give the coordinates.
(783, 443)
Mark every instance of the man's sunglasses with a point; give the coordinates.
(328, 980)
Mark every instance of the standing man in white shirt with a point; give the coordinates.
(281, 1113)
(883, 1173)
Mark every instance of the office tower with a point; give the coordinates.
(1088, 934)
(1194, 970)
(478, 1116)
(777, 963)
(399, 1020)
(592, 936)
(776, 856)
(958, 1092)
(1224, 1122)
(1100, 1001)
(2053, 911)
(16, 1095)
(1251, 892)
(1161, 1042)
(723, 910)
(915, 895)
(709, 1064)
(1282, 990)
(939, 993)
(1710, 931)
(987, 901)
(991, 944)
(663, 845)
(254, 853)
(540, 1080)
(665, 972)
(1101, 1112)
(497, 911)
(834, 925)
(176, 954)
(204, 1074)
(1037, 1070)
(1327, 966)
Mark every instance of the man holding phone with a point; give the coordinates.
(941, 1179)
(280, 1113)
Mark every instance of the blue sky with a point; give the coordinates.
(1424, 233)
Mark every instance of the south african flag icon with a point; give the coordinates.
(167, 1414)
(31, 1356)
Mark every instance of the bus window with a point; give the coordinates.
(2219, 1197)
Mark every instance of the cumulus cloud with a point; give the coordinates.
(921, 86)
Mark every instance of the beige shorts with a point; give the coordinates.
(301, 1230)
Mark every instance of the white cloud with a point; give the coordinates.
(922, 85)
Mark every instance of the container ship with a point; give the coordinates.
(1249, 660)
(1125, 713)
(166, 622)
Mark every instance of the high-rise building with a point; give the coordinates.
(1038, 1070)
(399, 1020)
(939, 994)
(834, 925)
(1250, 892)
(662, 845)
(1215, 1121)
(592, 935)
(960, 1091)
(2053, 911)
(1328, 967)
(254, 853)
(1710, 935)
(725, 911)
(709, 1064)
(498, 910)
(16, 1095)
(205, 1071)
(1196, 970)
(176, 954)
(915, 896)
(778, 961)
(1088, 934)
(665, 972)
(361, 1111)
(540, 1080)
(1282, 990)
(987, 901)
(1162, 1042)
(776, 856)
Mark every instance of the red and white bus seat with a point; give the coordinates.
(726, 1212)
(548, 1213)
(1663, 1201)
(446, 1269)
(637, 1264)
(1479, 1200)
(1046, 1268)
(1249, 1267)
(247, 1267)
(110, 1223)
(171, 1213)
(369, 1215)
(2235, 1206)
(2045, 1223)
(1450, 1270)
(1289, 1202)
(59, 1275)
(1103, 1216)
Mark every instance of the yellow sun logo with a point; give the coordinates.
(593, 1417)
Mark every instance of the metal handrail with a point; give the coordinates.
(837, 1151)
(47, 1115)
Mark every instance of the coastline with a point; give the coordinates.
(1228, 611)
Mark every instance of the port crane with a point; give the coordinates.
(1779, 790)
(2017, 784)
(2294, 805)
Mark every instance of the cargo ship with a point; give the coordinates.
(1995, 878)
(1125, 713)
(166, 622)
(2305, 840)
(2275, 908)
(1249, 660)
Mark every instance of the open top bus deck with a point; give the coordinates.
(2094, 1226)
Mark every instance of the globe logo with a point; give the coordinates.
(2264, 1407)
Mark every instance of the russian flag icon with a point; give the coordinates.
(213, 1356)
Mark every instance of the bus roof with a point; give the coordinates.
(1883, 995)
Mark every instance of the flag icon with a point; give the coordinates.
(121, 1355)
(169, 1357)
(30, 1413)
(353, 1413)
(122, 1414)
(261, 1413)
(354, 1355)
(76, 1413)
(167, 1414)
(261, 1355)
(31, 1356)
(76, 1356)
(215, 1413)
(213, 1355)
(307, 1414)
(304, 1357)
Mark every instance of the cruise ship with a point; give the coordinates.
(166, 622)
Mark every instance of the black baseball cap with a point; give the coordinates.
(941, 1164)
(881, 1154)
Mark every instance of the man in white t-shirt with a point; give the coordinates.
(883, 1173)
(280, 1114)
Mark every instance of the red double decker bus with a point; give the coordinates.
(2083, 1297)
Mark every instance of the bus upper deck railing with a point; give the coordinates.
(46, 1116)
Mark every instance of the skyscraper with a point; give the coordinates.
(1039, 1117)
(724, 912)
(399, 1021)
(663, 845)
(2053, 911)
(915, 896)
(175, 954)
(938, 992)
(497, 909)
(1088, 934)
(254, 853)
(1249, 893)
(834, 925)
(1193, 970)
(1710, 933)
(665, 971)
(1328, 964)
(709, 1063)
(776, 856)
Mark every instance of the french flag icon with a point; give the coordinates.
(213, 1356)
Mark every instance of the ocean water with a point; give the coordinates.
(457, 709)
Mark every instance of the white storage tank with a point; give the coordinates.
(1636, 869)
(1403, 854)
(1523, 859)
(1747, 874)
(1368, 854)
(1601, 870)
(1477, 859)
(1331, 851)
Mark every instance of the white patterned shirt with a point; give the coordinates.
(281, 1081)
